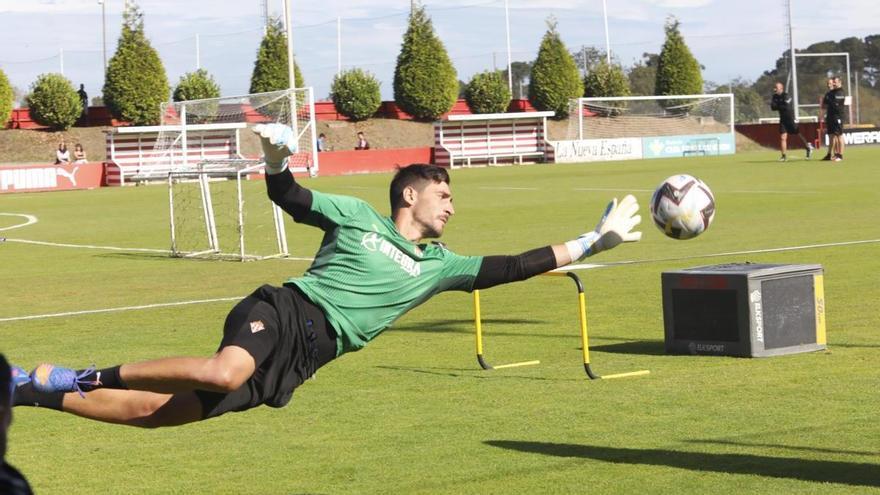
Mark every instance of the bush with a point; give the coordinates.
(270, 68)
(54, 102)
(425, 82)
(554, 79)
(196, 85)
(606, 80)
(6, 99)
(136, 83)
(678, 72)
(487, 93)
(355, 94)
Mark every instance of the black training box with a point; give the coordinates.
(744, 309)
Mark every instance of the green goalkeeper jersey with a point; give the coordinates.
(366, 275)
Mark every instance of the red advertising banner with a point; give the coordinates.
(41, 177)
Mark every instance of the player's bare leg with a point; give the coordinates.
(224, 372)
(135, 407)
(783, 146)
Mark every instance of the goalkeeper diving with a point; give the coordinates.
(369, 270)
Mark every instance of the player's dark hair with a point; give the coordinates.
(417, 175)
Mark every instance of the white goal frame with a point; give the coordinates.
(205, 175)
(798, 105)
(582, 101)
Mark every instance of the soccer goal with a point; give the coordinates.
(629, 127)
(207, 152)
(214, 132)
(218, 213)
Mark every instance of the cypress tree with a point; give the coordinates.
(554, 79)
(425, 82)
(136, 83)
(678, 72)
(270, 68)
(6, 97)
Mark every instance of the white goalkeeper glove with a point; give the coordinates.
(613, 228)
(278, 143)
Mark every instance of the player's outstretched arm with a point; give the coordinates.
(615, 227)
(278, 143)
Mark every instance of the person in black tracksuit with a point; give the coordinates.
(833, 104)
(782, 103)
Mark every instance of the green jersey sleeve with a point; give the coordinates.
(459, 272)
(331, 210)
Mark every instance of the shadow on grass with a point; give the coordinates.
(845, 473)
(475, 372)
(135, 256)
(467, 326)
(786, 447)
(646, 347)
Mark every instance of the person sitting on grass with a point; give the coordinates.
(369, 270)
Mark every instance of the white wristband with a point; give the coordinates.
(583, 246)
(276, 169)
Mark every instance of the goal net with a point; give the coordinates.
(647, 116)
(813, 71)
(207, 154)
(218, 213)
(199, 134)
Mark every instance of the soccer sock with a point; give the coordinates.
(105, 378)
(25, 395)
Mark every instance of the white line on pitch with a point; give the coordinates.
(116, 248)
(124, 308)
(503, 188)
(624, 189)
(718, 255)
(88, 246)
(29, 220)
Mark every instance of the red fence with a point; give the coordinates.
(97, 116)
(324, 110)
(369, 161)
(768, 134)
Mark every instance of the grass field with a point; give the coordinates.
(413, 413)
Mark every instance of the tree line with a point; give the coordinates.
(426, 84)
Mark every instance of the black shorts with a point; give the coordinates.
(788, 126)
(834, 126)
(288, 337)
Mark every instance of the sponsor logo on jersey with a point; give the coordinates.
(257, 326)
(373, 242)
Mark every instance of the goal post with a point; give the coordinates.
(811, 74)
(633, 127)
(208, 154)
(217, 213)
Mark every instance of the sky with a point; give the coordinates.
(731, 39)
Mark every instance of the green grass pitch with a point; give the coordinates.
(413, 413)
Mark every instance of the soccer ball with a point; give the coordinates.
(683, 207)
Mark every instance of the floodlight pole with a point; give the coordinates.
(198, 53)
(338, 46)
(509, 56)
(607, 40)
(103, 5)
(289, 28)
(793, 58)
